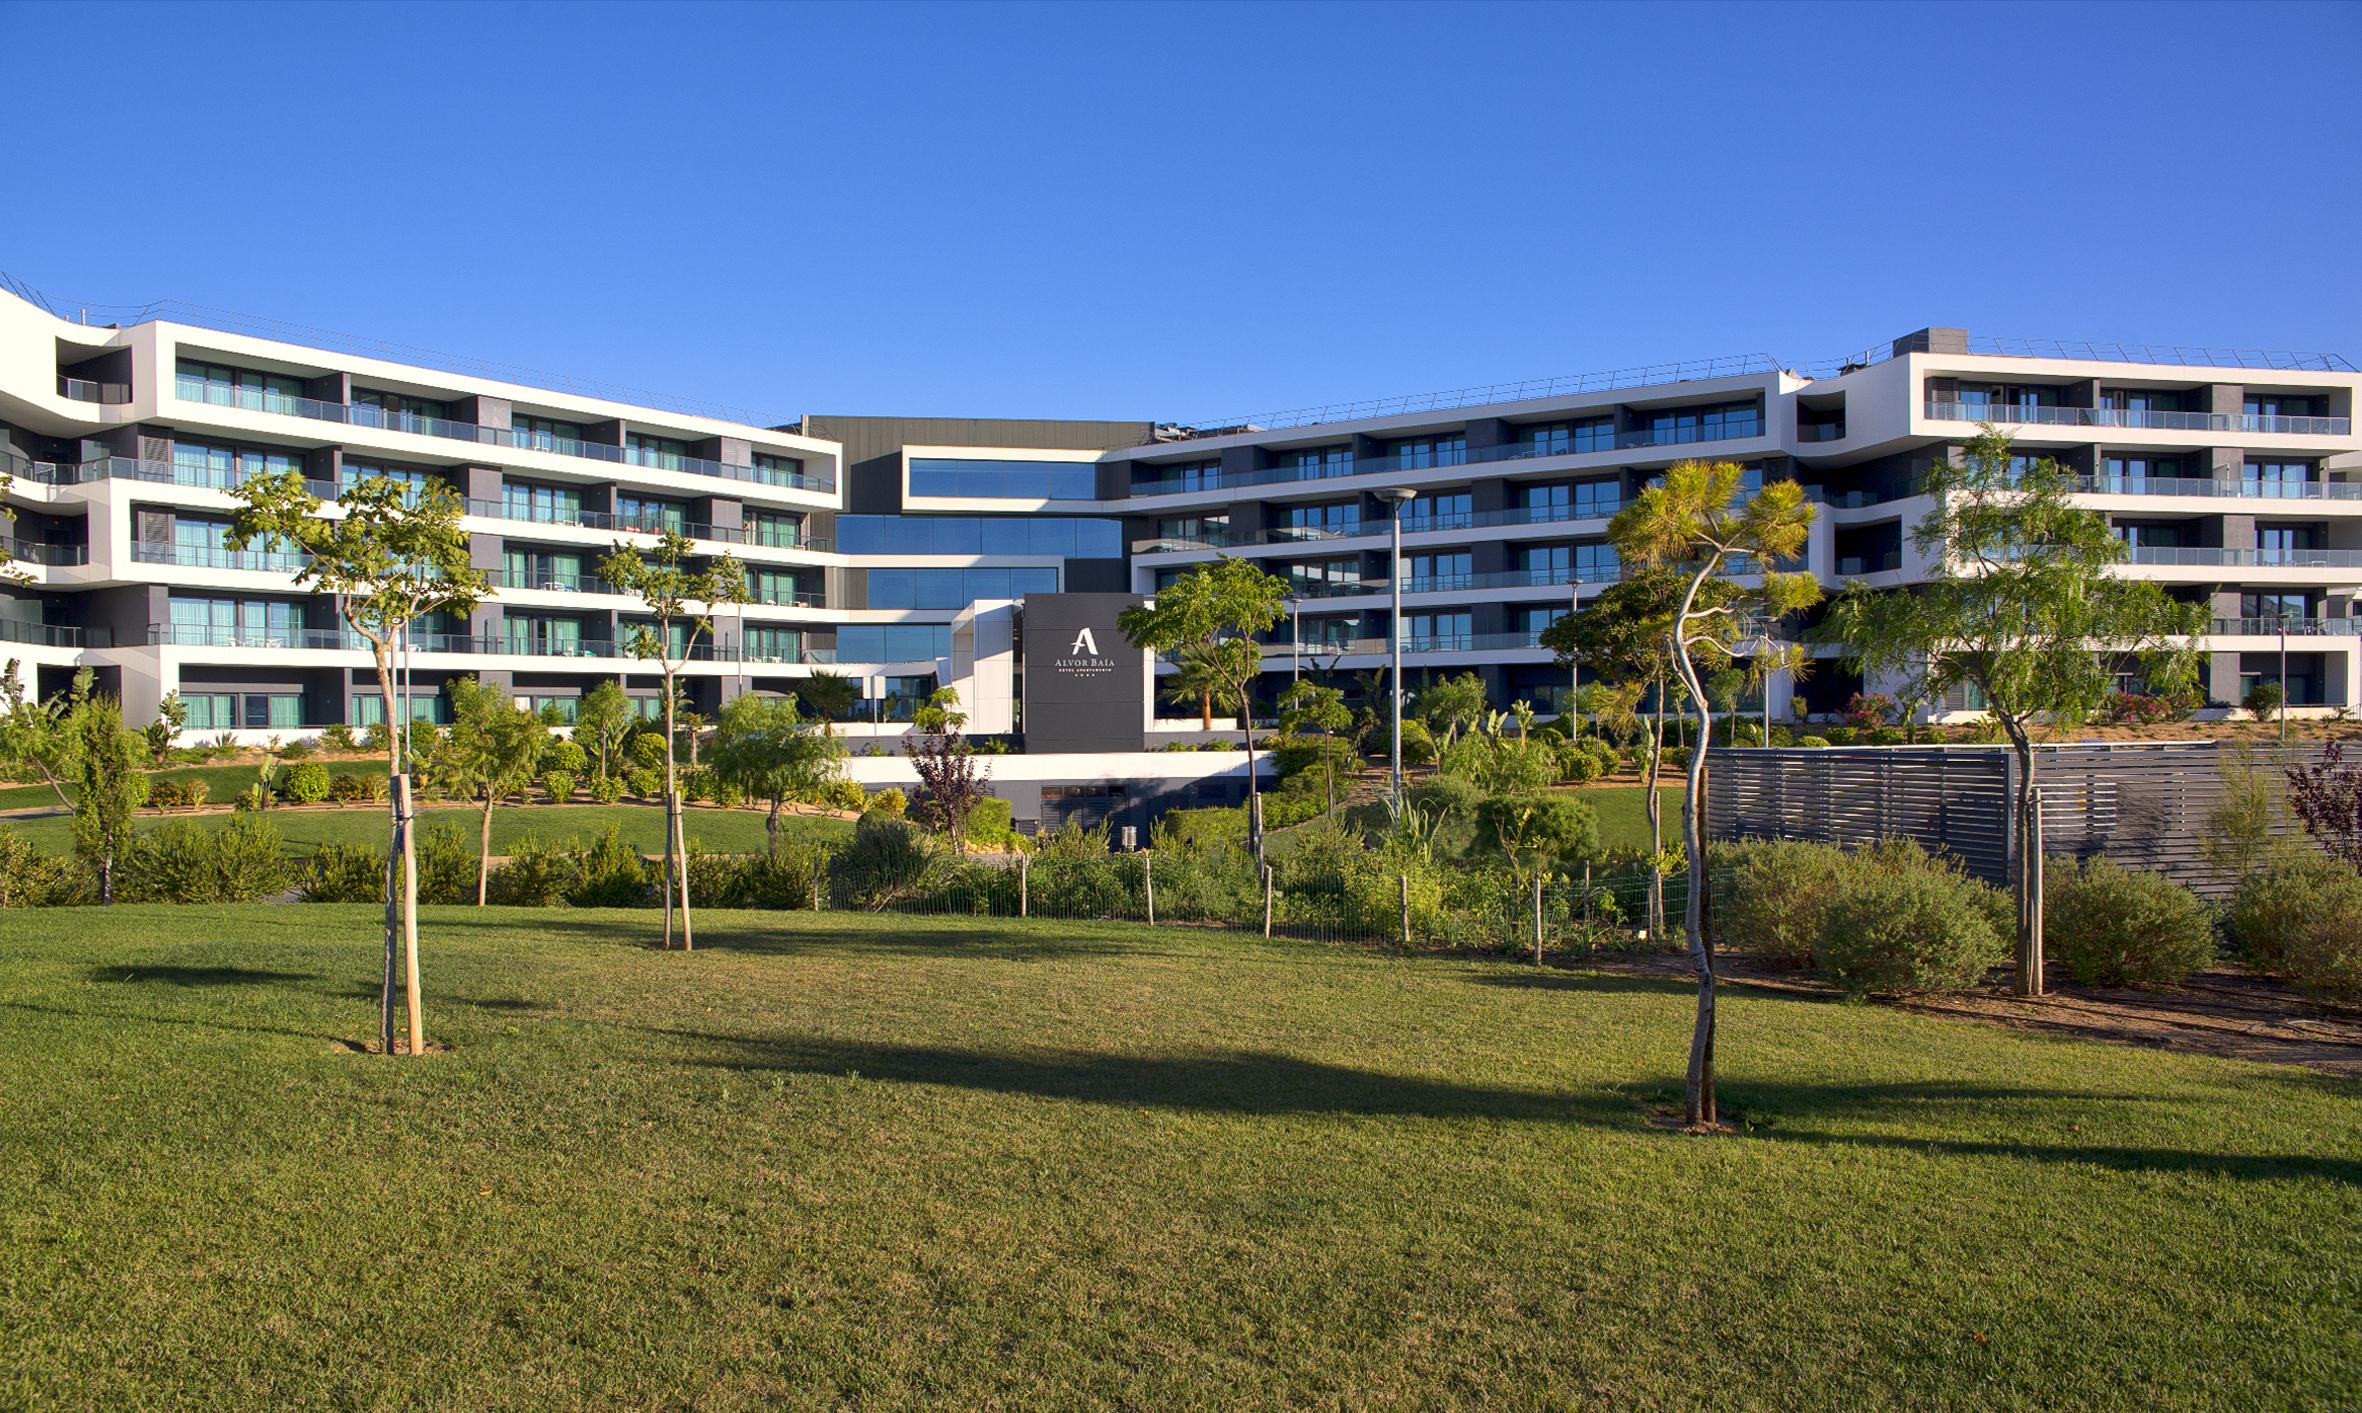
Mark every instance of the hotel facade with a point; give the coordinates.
(901, 552)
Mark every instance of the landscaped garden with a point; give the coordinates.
(877, 1160)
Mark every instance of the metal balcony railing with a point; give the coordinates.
(1949, 411)
(357, 414)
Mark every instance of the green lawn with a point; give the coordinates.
(221, 781)
(872, 1161)
(1623, 814)
(723, 831)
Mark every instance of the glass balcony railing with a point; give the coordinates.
(357, 414)
(2208, 557)
(215, 557)
(53, 635)
(549, 581)
(90, 390)
(1820, 431)
(1942, 410)
(2293, 627)
(33, 552)
(2244, 489)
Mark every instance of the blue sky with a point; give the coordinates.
(1190, 211)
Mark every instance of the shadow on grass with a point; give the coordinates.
(1594, 983)
(783, 933)
(197, 976)
(1256, 1083)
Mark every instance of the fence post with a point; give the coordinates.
(1586, 893)
(1148, 874)
(1405, 880)
(1537, 919)
(1025, 885)
(816, 873)
(1267, 900)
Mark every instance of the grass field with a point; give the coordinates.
(831, 1161)
(221, 781)
(723, 831)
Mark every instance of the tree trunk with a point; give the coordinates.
(771, 824)
(484, 850)
(668, 805)
(393, 852)
(1246, 721)
(1205, 709)
(2029, 980)
(410, 917)
(1700, 1109)
(1655, 805)
(676, 848)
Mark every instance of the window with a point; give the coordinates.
(1004, 480)
(769, 643)
(1561, 438)
(1328, 632)
(1446, 510)
(198, 620)
(955, 588)
(540, 569)
(1417, 453)
(1446, 569)
(413, 482)
(674, 638)
(1595, 561)
(551, 505)
(634, 512)
(1701, 424)
(1048, 536)
(542, 637)
(1437, 632)
(225, 468)
(367, 708)
(1572, 500)
(2276, 480)
(2259, 404)
(2278, 607)
(778, 470)
(559, 710)
(2136, 403)
(238, 387)
(1319, 463)
(396, 410)
(253, 711)
(1195, 529)
(1313, 522)
(774, 586)
(893, 642)
(2129, 474)
(770, 528)
(2286, 544)
(1176, 477)
(1546, 564)
(1532, 620)
(663, 453)
(1324, 576)
(544, 434)
(2172, 535)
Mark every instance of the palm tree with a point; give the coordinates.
(1197, 678)
(831, 697)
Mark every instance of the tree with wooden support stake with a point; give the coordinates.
(2025, 607)
(392, 555)
(1695, 526)
(677, 600)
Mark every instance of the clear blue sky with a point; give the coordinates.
(1190, 211)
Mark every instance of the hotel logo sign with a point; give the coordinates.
(1083, 658)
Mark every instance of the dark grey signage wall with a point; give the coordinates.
(1085, 686)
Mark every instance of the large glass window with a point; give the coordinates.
(1183, 476)
(1561, 438)
(955, 588)
(1417, 453)
(764, 527)
(1445, 569)
(1437, 632)
(779, 587)
(1063, 537)
(226, 468)
(2277, 479)
(253, 711)
(778, 470)
(2261, 404)
(551, 505)
(412, 481)
(2278, 607)
(237, 387)
(2286, 543)
(637, 512)
(544, 433)
(1004, 480)
(542, 637)
(1445, 510)
(396, 410)
(368, 708)
(2128, 474)
(1702, 424)
(661, 452)
(893, 642)
(1572, 500)
(200, 620)
(770, 643)
(1324, 576)
(1313, 522)
(541, 569)
(1317, 463)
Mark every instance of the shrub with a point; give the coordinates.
(785, 882)
(645, 781)
(1866, 711)
(342, 873)
(1818, 743)
(30, 878)
(339, 737)
(1903, 923)
(305, 783)
(163, 794)
(647, 748)
(346, 789)
(605, 789)
(559, 784)
(1841, 735)
(612, 874)
(535, 875)
(183, 862)
(301, 748)
(568, 756)
(2264, 699)
(843, 794)
(727, 793)
(891, 803)
(1418, 743)
(697, 784)
(446, 865)
(885, 861)
(991, 820)
(1777, 897)
(2279, 901)
(2323, 956)
(376, 789)
(2114, 926)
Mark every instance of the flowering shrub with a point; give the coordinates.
(2138, 709)
(1867, 711)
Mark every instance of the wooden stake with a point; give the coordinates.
(410, 915)
(1148, 873)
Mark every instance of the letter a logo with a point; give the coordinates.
(1084, 644)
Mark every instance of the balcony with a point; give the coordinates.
(1850, 565)
(2194, 555)
(365, 415)
(86, 390)
(2224, 487)
(53, 635)
(215, 557)
(33, 552)
(2293, 627)
(1820, 432)
(1943, 411)
(549, 582)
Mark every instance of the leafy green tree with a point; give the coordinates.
(107, 759)
(602, 719)
(1215, 611)
(1451, 706)
(1537, 832)
(764, 746)
(491, 752)
(1722, 691)
(1694, 525)
(950, 784)
(171, 715)
(394, 555)
(679, 601)
(34, 735)
(1308, 708)
(2024, 606)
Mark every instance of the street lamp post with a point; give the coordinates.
(1397, 497)
(1574, 664)
(2283, 712)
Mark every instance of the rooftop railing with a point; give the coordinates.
(1943, 410)
(1405, 464)
(357, 414)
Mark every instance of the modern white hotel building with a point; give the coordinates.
(900, 552)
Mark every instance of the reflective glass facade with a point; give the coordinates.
(1006, 480)
(1066, 538)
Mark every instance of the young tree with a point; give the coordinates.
(2025, 606)
(1197, 678)
(1216, 610)
(950, 784)
(171, 715)
(107, 763)
(491, 752)
(395, 555)
(1308, 708)
(1451, 706)
(1771, 658)
(765, 747)
(1625, 635)
(1694, 525)
(667, 588)
(2326, 797)
(1723, 687)
(34, 735)
(602, 719)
